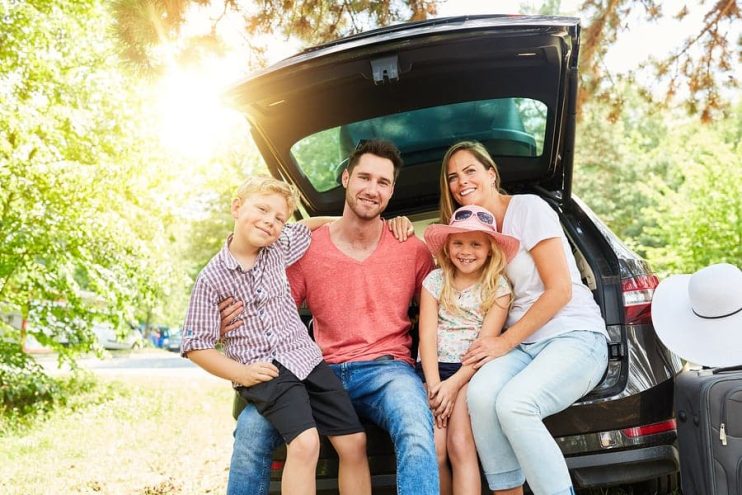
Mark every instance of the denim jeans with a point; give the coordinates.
(387, 393)
(252, 454)
(391, 395)
(509, 397)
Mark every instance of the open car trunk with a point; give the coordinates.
(504, 81)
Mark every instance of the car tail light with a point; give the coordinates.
(637, 298)
(653, 429)
(277, 465)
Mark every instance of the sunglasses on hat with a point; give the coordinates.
(482, 216)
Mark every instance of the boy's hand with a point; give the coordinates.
(257, 373)
(229, 311)
(401, 227)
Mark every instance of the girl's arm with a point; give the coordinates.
(428, 329)
(552, 267)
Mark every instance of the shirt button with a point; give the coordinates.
(262, 311)
(268, 334)
(258, 290)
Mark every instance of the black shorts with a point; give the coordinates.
(293, 406)
(445, 370)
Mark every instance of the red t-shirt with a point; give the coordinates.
(360, 307)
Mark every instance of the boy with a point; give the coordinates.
(270, 358)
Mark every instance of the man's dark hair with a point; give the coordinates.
(380, 148)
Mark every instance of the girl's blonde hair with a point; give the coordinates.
(494, 267)
(448, 204)
(266, 185)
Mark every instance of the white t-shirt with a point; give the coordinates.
(531, 220)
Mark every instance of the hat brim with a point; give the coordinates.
(437, 234)
(707, 342)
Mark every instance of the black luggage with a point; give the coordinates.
(708, 409)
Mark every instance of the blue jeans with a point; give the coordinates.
(387, 393)
(509, 397)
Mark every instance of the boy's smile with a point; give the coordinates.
(258, 220)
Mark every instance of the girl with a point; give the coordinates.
(467, 296)
(554, 351)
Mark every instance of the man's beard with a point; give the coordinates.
(362, 212)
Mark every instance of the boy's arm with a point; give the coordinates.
(220, 365)
(313, 223)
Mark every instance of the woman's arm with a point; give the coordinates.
(551, 264)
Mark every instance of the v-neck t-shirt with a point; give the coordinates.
(360, 308)
(531, 220)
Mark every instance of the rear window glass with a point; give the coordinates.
(506, 126)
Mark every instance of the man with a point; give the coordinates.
(358, 282)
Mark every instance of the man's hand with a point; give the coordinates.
(401, 228)
(255, 373)
(229, 312)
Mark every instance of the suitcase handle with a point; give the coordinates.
(716, 371)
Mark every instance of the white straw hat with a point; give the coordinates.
(699, 316)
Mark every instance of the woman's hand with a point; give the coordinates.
(485, 349)
(229, 312)
(401, 228)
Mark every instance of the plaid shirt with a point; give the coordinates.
(271, 326)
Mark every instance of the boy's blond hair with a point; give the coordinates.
(267, 185)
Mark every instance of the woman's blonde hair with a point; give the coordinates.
(267, 185)
(494, 267)
(448, 204)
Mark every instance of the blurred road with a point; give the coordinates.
(145, 361)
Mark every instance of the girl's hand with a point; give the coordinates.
(401, 227)
(485, 349)
(442, 397)
(255, 373)
(229, 312)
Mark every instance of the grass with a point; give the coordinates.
(134, 435)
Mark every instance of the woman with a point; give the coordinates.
(555, 348)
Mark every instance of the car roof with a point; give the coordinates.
(421, 79)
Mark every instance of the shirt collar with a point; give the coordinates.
(229, 261)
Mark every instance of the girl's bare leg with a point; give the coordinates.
(461, 449)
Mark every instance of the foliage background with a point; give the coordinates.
(101, 221)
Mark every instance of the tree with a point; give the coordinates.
(698, 217)
(699, 68)
(77, 217)
(143, 26)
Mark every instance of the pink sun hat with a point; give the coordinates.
(470, 219)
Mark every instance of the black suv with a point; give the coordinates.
(509, 82)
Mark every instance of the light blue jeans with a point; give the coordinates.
(509, 397)
(387, 393)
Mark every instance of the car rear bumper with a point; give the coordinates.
(622, 467)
